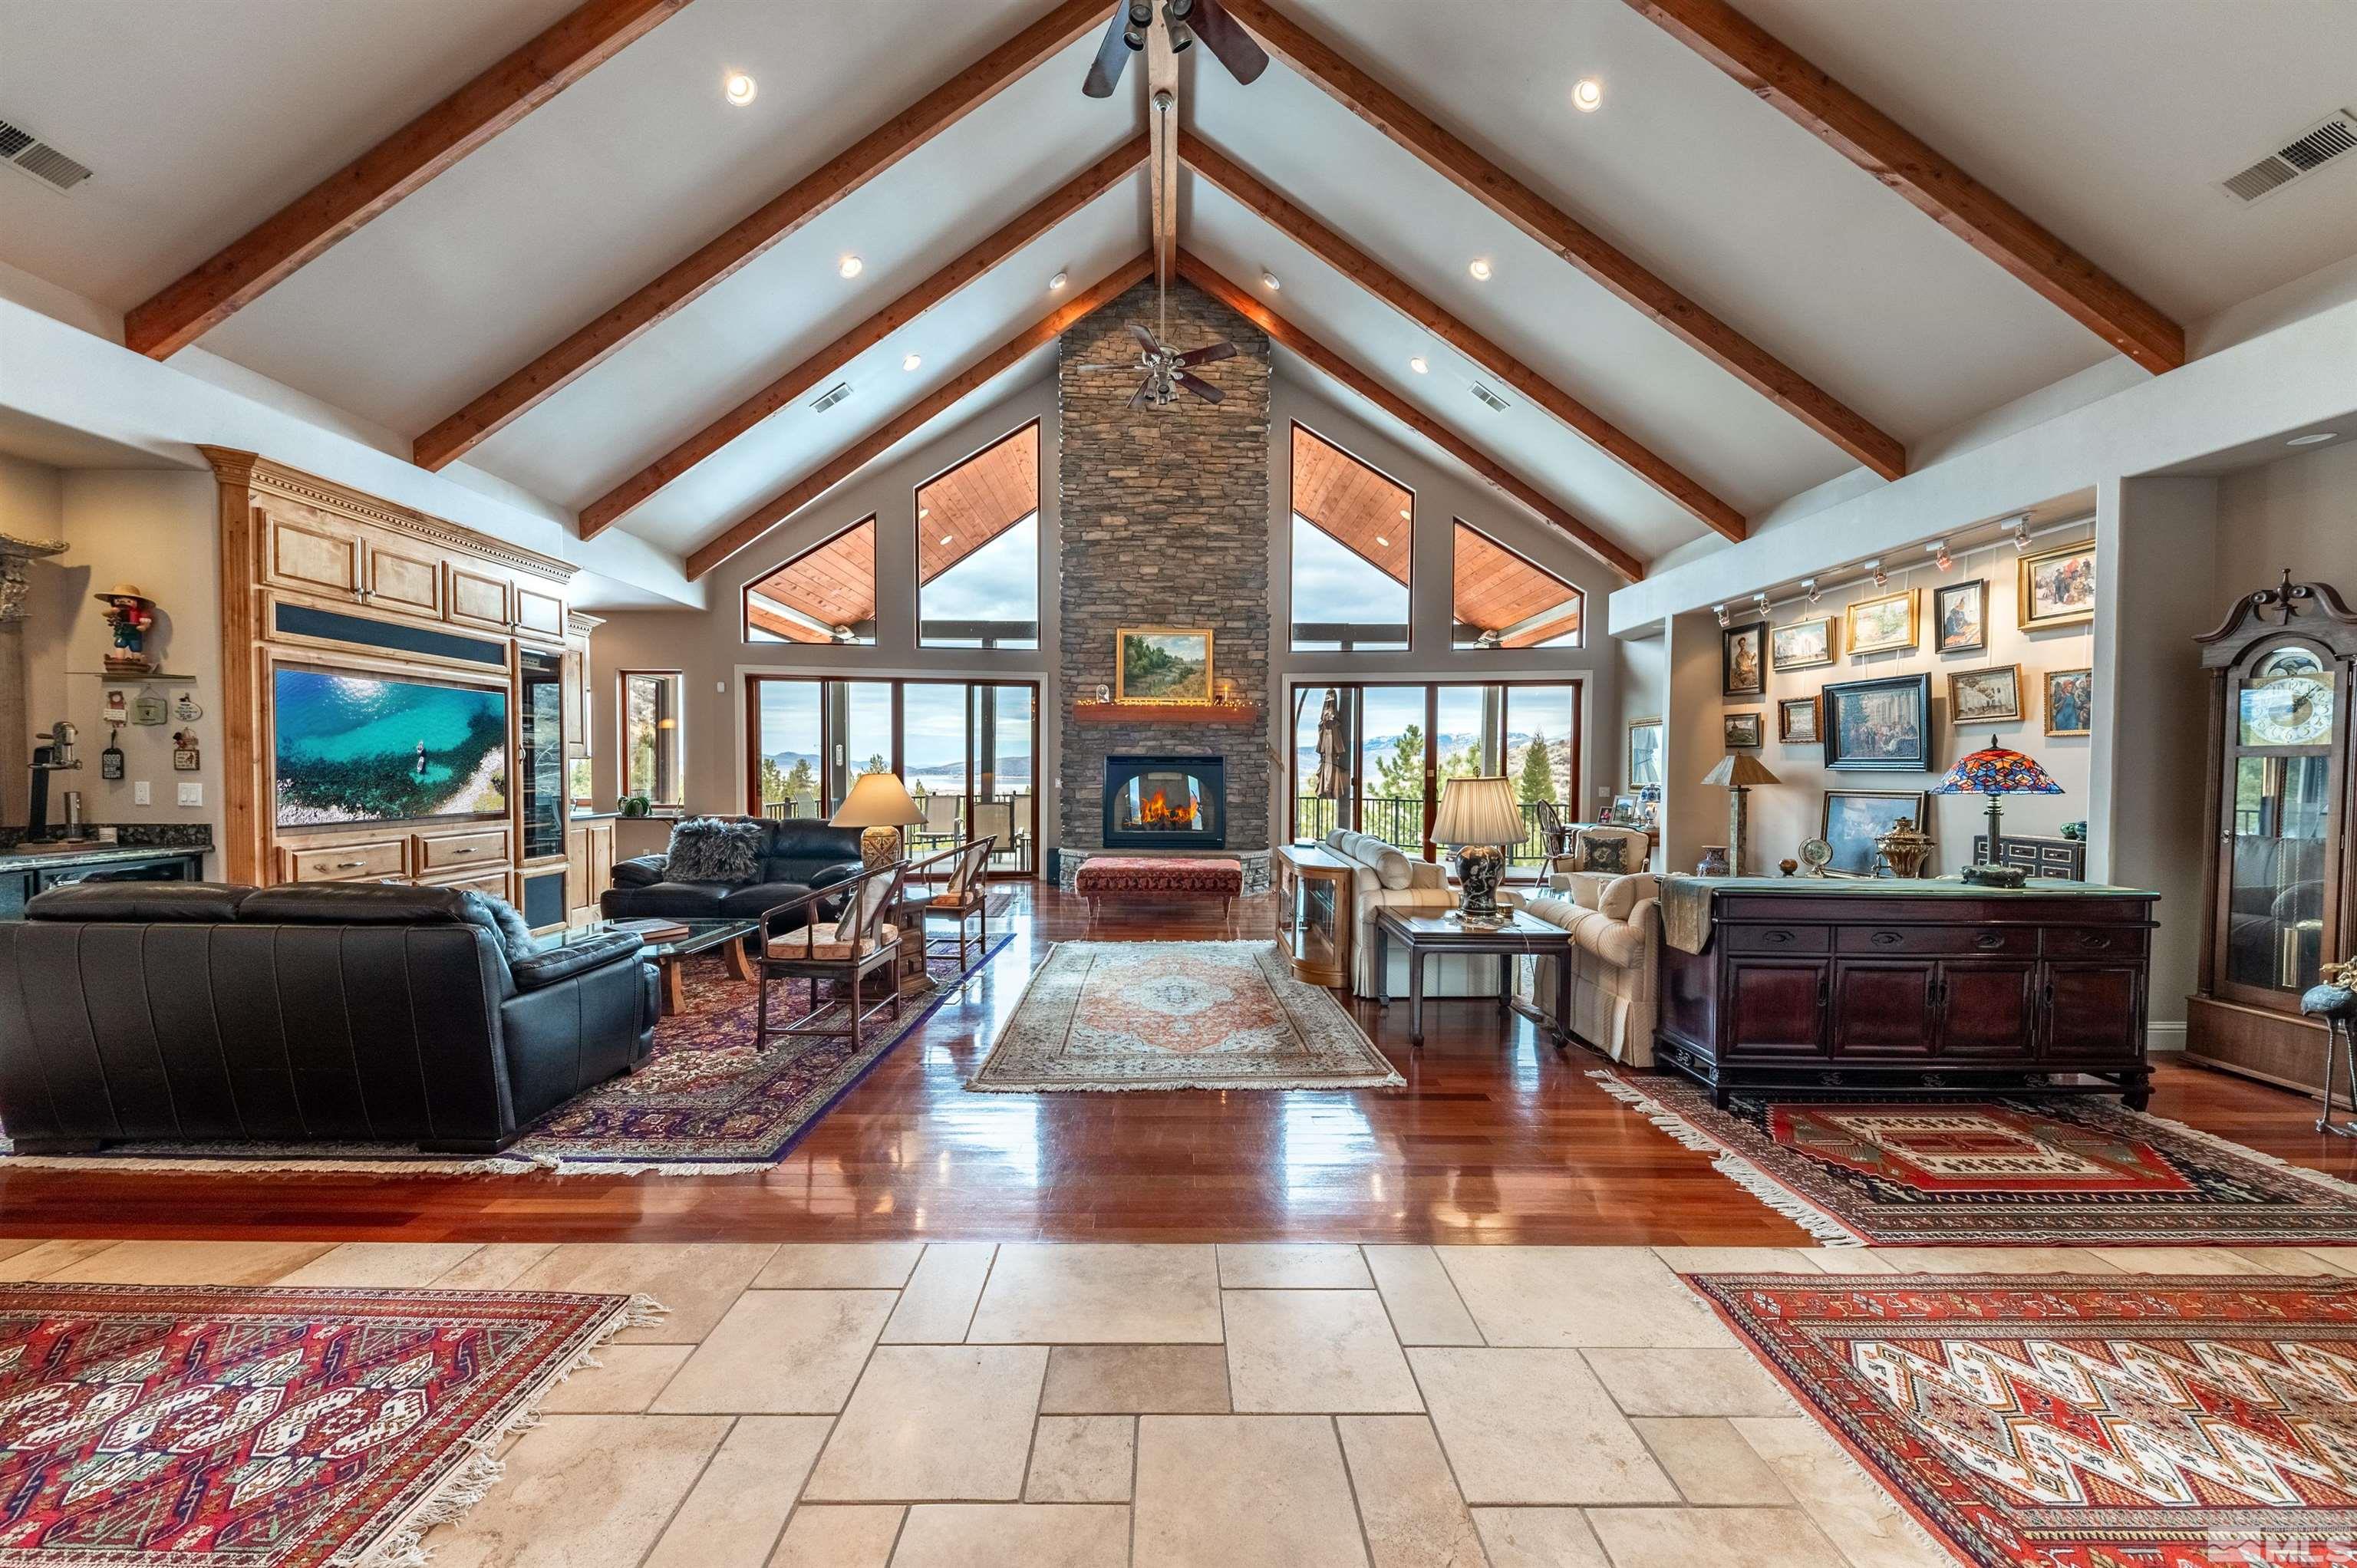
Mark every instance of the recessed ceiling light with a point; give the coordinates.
(850, 266)
(1480, 268)
(924, 512)
(1405, 513)
(738, 88)
(1383, 542)
(911, 362)
(2317, 439)
(947, 537)
(1417, 365)
(1268, 281)
(1588, 95)
(1059, 281)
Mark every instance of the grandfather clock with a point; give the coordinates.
(2281, 876)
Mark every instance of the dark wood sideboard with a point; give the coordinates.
(1915, 987)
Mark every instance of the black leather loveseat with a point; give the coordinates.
(368, 1014)
(798, 854)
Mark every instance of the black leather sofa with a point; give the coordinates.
(798, 855)
(331, 1014)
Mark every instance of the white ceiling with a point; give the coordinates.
(201, 120)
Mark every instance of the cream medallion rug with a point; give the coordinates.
(1114, 1015)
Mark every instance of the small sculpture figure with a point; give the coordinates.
(132, 614)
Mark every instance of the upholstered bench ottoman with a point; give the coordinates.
(1157, 877)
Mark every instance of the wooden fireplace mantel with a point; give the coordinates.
(1167, 712)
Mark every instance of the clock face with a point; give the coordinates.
(2288, 701)
(1816, 852)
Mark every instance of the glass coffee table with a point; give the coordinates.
(670, 952)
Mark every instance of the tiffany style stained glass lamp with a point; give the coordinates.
(1996, 771)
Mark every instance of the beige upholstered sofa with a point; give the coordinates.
(1616, 935)
(1384, 878)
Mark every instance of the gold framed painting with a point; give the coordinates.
(1162, 664)
(2070, 701)
(1804, 644)
(1797, 720)
(1985, 696)
(1880, 625)
(2058, 587)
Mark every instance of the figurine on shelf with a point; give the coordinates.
(132, 614)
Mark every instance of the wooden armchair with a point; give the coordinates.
(796, 944)
(964, 894)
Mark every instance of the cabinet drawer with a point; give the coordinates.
(2095, 941)
(1775, 939)
(348, 862)
(454, 852)
(491, 883)
(1998, 941)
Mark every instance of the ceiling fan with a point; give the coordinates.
(1187, 20)
(1164, 369)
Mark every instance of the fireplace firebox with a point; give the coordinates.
(1165, 802)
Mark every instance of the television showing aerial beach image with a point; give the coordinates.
(364, 748)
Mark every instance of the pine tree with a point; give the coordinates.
(1400, 776)
(773, 780)
(1538, 771)
(799, 781)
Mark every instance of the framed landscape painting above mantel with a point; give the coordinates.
(1162, 664)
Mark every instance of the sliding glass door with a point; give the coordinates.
(963, 748)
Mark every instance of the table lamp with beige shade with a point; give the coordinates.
(1740, 772)
(880, 804)
(1480, 819)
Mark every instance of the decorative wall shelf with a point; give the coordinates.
(1167, 712)
(158, 679)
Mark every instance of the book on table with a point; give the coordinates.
(653, 928)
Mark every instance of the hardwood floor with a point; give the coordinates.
(1496, 1138)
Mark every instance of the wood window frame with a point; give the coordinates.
(873, 520)
(1523, 556)
(676, 680)
(1292, 565)
(1037, 429)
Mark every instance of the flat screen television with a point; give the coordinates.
(350, 747)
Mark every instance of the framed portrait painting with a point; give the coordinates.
(1796, 721)
(1744, 732)
(2070, 701)
(1879, 726)
(2058, 587)
(1852, 820)
(1960, 617)
(1644, 754)
(1880, 625)
(1984, 696)
(1743, 661)
(1804, 645)
(1162, 664)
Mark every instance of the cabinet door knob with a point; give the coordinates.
(1886, 938)
(1988, 942)
(1779, 937)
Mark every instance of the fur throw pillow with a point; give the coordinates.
(1606, 855)
(711, 849)
(514, 935)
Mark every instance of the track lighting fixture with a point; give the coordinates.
(1938, 550)
(1881, 577)
(1720, 611)
(1809, 586)
(1759, 603)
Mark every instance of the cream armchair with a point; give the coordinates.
(1616, 935)
(1383, 878)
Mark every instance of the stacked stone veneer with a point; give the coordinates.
(1164, 519)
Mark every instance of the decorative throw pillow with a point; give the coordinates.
(1606, 854)
(514, 935)
(709, 849)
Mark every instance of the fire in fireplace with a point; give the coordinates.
(1165, 802)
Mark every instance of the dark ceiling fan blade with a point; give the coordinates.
(1113, 56)
(1225, 36)
(1131, 365)
(1206, 354)
(1137, 398)
(1200, 387)
(1146, 338)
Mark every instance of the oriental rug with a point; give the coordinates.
(2071, 1172)
(2072, 1422)
(1122, 1015)
(209, 1427)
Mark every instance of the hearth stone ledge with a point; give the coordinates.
(1256, 864)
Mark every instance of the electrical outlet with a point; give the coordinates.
(142, 794)
(192, 794)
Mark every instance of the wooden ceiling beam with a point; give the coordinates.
(304, 230)
(1904, 162)
(1162, 126)
(1428, 313)
(829, 361)
(1285, 333)
(940, 108)
(1450, 155)
(782, 506)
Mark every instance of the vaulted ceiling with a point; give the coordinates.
(564, 260)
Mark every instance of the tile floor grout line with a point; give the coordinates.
(1137, 1442)
(1447, 1458)
(1031, 1442)
(1457, 1290)
(1350, 1480)
(701, 1471)
(981, 1291)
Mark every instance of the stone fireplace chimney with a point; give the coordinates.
(1166, 521)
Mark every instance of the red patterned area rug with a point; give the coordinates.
(166, 1426)
(1124, 1016)
(1995, 1173)
(2072, 1422)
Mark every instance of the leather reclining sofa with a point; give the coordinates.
(797, 855)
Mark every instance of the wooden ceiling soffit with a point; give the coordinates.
(1497, 591)
(774, 511)
(825, 364)
(1359, 508)
(1904, 162)
(972, 503)
(1450, 155)
(830, 585)
(1403, 297)
(1283, 332)
(932, 112)
(304, 230)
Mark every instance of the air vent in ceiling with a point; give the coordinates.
(829, 398)
(1496, 405)
(2330, 139)
(20, 149)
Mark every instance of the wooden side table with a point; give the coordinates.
(1313, 912)
(1426, 935)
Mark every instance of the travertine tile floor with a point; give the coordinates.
(958, 1405)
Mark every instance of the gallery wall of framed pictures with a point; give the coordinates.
(1860, 701)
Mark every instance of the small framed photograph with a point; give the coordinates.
(1805, 644)
(1881, 625)
(1852, 820)
(1162, 663)
(1644, 754)
(1984, 696)
(1796, 721)
(1743, 661)
(1743, 732)
(1879, 726)
(2058, 587)
(2070, 701)
(1960, 617)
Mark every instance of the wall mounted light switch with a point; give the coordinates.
(192, 794)
(142, 795)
